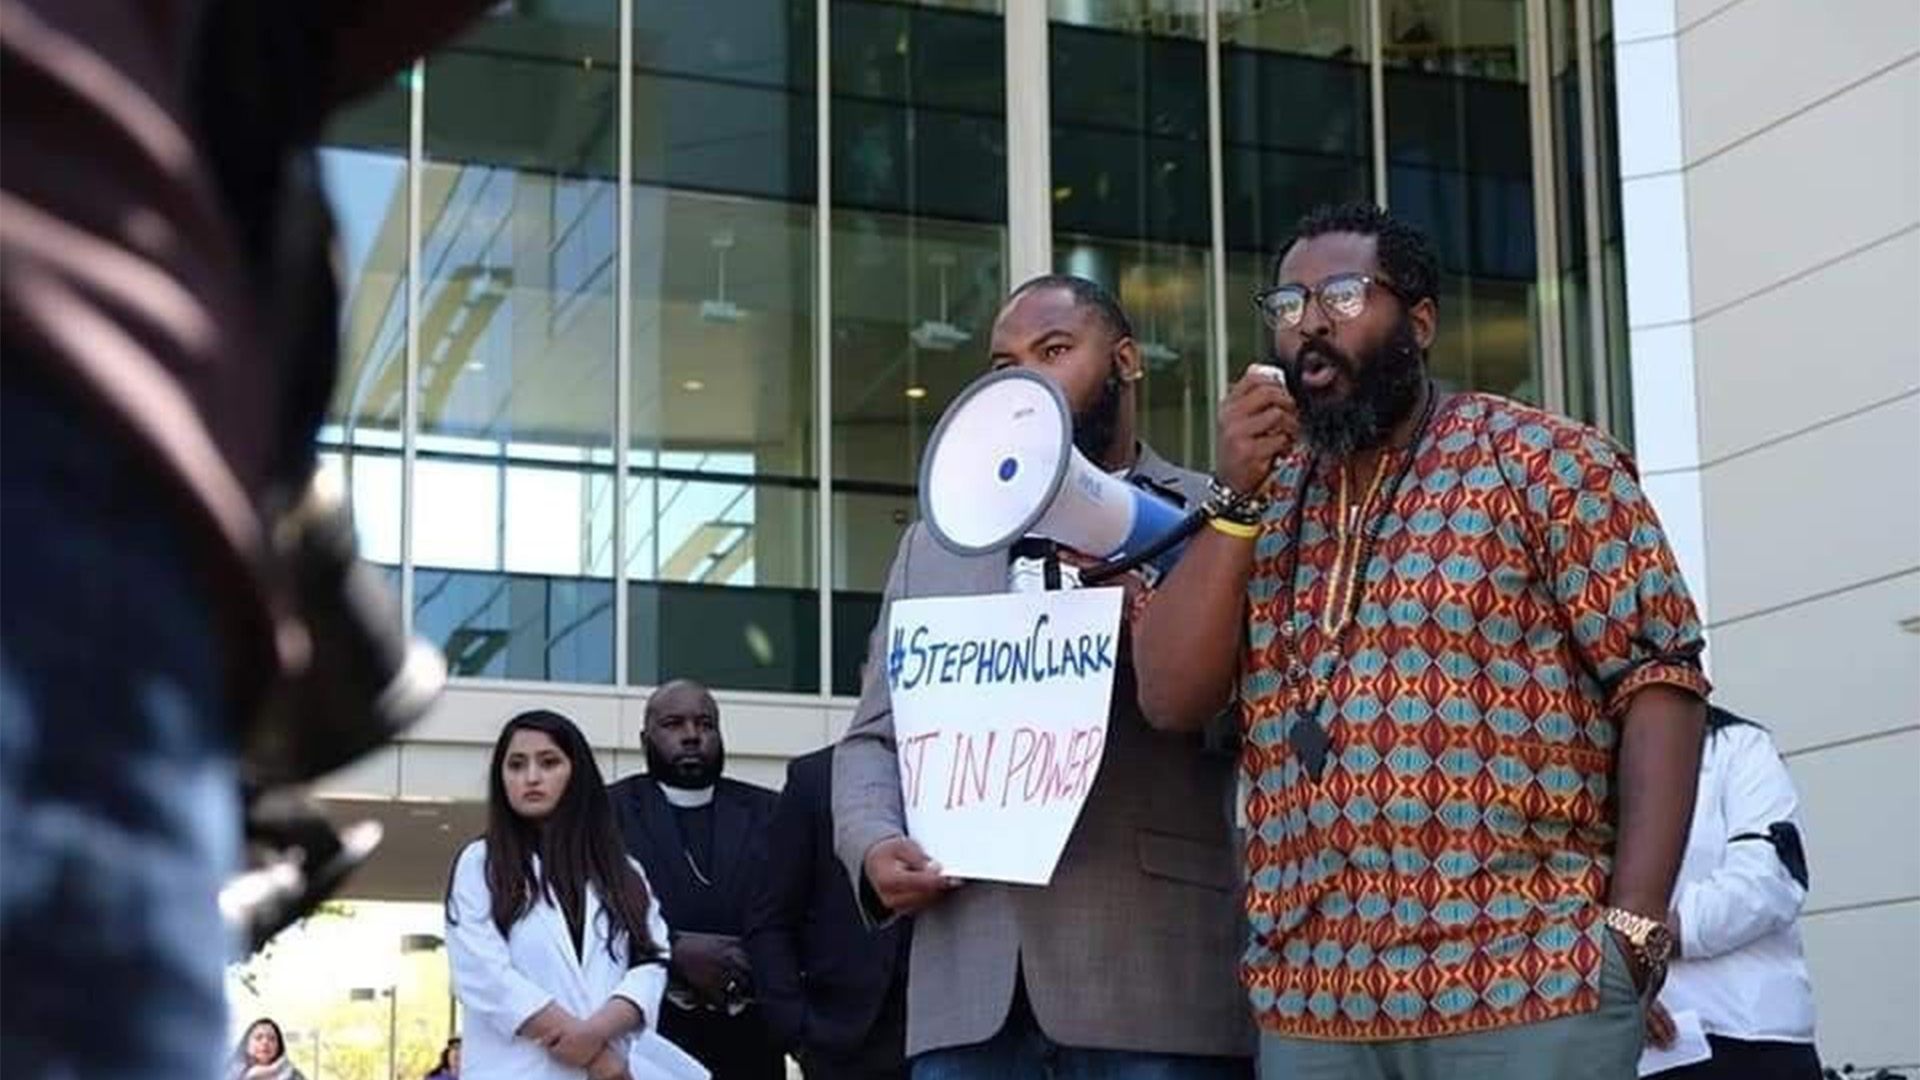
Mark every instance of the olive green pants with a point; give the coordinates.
(1600, 1045)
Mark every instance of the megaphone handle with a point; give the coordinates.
(1119, 564)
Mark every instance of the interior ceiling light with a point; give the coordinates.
(939, 335)
(693, 386)
(720, 309)
(916, 392)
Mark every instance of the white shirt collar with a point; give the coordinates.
(687, 798)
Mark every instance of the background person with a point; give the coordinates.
(701, 837)
(448, 1067)
(1736, 910)
(1121, 967)
(168, 319)
(833, 992)
(262, 1054)
(1468, 674)
(555, 945)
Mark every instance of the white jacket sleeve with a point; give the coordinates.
(1751, 893)
(644, 983)
(484, 978)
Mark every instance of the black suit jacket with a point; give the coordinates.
(822, 976)
(741, 813)
(733, 1047)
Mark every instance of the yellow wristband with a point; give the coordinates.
(1234, 528)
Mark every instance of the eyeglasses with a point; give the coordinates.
(1343, 297)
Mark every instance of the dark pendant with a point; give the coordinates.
(1310, 743)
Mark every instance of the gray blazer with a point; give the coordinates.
(1135, 944)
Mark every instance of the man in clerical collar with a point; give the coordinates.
(698, 835)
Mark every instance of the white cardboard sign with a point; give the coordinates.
(1000, 718)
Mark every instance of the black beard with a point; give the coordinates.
(1381, 393)
(1093, 430)
(688, 776)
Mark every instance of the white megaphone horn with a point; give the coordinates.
(1002, 466)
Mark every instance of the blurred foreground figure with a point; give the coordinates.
(183, 616)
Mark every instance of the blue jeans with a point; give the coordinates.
(119, 808)
(1021, 1051)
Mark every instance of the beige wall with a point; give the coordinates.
(1771, 175)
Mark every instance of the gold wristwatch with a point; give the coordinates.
(1650, 939)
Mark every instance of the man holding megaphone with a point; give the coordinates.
(1123, 966)
(1469, 681)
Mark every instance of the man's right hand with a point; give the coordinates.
(708, 962)
(1258, 423)
(904, 879)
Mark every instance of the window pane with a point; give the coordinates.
(919, 111)
(512, 513)
(1297, 134)
(919, 266)
(1479, 38)
(364, 168)
(722, 489)
(1459, 151)
(1131, 206)
(1570, 189)
(1605, 191)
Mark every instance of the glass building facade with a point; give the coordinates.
(652, 306)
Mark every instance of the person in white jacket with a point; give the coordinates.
(557, 950)
(1737, 961)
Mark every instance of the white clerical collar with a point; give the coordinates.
(687, 798)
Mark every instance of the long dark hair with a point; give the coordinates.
(577, 842)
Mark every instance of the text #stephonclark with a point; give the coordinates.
(1000, 716)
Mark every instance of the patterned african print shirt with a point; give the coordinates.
(1444, 872)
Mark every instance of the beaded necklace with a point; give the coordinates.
(1308, 735)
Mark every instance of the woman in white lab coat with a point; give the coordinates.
(557, 950)
(1738, 966)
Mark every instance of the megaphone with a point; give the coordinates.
(1002, 466)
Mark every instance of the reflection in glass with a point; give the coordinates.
(1327, 29)
(513, 512)
(1297, 133)
(919, 266)
(1163, 288)
(1570, 191)
(721, 603)
(914, 301)
(364, 168)
(1479, 38)
(1605, 191)
(1131, 206)
(867, 527)
(919, 101)
(722, 489)
(1459, 153)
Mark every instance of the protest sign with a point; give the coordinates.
(1000, 716)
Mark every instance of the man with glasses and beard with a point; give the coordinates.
(699, 837)
(1122, 967)
(1468, 676)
